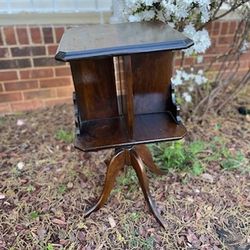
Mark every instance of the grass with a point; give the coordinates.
(42, 205)
(195, 157)
(64, 135)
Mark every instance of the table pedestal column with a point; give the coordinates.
(137, 157)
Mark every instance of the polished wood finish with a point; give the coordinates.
(147, 109)
(115, 165)
(95, 89)
(147, 159)
(152, 74)
(136, 108)
(127, 97)
(137, 164)
(131, 157)
(90, 41)
(112, 132)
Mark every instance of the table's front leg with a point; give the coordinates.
(115, 165)
(147, 159)
(137, 164)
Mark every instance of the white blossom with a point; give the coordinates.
(200, 59)
(187, 97)
(181, 76)
(134, 18)
(177, 78)
(200, 38)
(147, 15)
(245, 46)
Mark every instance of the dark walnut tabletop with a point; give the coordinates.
(98, 40)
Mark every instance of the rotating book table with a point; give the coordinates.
(128, 109)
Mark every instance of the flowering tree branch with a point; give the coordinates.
(192, 18)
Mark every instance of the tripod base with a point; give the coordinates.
(135, 156)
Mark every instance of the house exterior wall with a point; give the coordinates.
(30, 78)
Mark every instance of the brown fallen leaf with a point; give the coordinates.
(41, 233)
(59, 222)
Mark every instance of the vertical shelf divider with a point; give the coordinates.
(126, 85)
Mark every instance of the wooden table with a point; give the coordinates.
(123, 94)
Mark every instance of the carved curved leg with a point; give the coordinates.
(147, 158)
(116, 163)
(137, 164)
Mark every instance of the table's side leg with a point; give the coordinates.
(116, 164)
(147, 159)
(137, 164)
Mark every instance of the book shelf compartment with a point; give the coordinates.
(112, 132)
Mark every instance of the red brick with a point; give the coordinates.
(9, 34)
(57, 101)
(5, 108)
(56, 82)
(36, 73)
(48, 35)
(59, 32)
(22, 35)
(1, 87)
(28, 51)
(15, 63)
(188, 61)
(10, 97)
(216, 28)
(27, 105)
(52, 49)
(46, 61)
(36, 36)
(209, 27)
(63, 71)
(225, 40)
(245, 56)
(219, 49)
(224, 28)
(21, 85)
(240, 27)
(232, 27)
(208, 59)
(215, 67)
(8, 75)
(64, 92)
(177, 62)
(4, 52)
(39, 94)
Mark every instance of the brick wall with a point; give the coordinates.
(30, 78)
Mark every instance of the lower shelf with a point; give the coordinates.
(112, 132)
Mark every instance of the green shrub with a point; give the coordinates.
(180, 156)
(195, 156)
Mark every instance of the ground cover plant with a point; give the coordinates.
(46, 184)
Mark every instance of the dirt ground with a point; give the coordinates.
(46, 184)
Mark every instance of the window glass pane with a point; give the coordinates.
(43, 5)
(14, 6)
(104, 4)
(65, 5)
(20, 5)
(85, 5)
(3, 6)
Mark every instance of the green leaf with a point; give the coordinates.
(197, 168)
(34, 215)
(50, 247)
